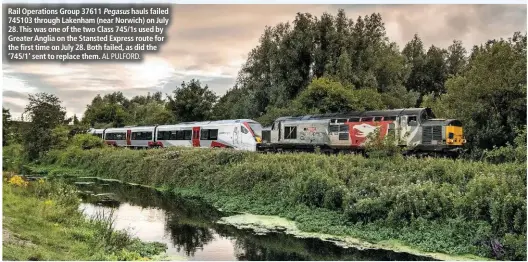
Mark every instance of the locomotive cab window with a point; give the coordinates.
(244, 130)
(411, 120)
(290, 132)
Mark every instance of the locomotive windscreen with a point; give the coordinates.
(257, 128)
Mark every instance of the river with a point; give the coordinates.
(189, 228)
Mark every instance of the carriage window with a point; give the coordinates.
(209, 134)
(179, 135)
(115, 136)
(213, 134)
(378, 118)
(204, 134)
(187, 134)
(244, 130)
(290, 132)
(353, 119)
(141, 136)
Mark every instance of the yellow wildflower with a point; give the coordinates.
(17, 181)
(48, 202)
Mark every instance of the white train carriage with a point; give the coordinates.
(116, 136)
(141, 137)
(240, 134)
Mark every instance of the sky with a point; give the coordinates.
(211, 42)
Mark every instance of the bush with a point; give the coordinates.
(389, 191)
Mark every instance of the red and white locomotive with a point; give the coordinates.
(240, 134)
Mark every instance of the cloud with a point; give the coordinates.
(211, 42)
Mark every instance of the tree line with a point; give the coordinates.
(328, 64)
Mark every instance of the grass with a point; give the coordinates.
(434, 205)
(41, 221)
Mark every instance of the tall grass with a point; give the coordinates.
(436, 205)
(46, 215)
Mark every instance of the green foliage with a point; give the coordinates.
(59, 137)
(509, 153)
(325, 96)
(43, 222)
(86, 141)
(46, 114)
(383, 146)
(489, 96)
(437, 205)
(13, 157)
(6, 124)
(192, 102)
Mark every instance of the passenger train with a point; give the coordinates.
(417, 129)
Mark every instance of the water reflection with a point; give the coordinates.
(188, 227)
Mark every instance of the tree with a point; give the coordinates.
(415, 57)
(456, 58)
(112, 110)
(75, 119)
(326, 96)
(435, 71)
(6, 125)
(191, 102)
(490, 95)
(46, 113)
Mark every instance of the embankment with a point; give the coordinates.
(434, 205)
(42, 221)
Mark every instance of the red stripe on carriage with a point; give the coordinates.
(217, 144)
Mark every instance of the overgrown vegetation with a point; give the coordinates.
(440, 205)
(41, 221)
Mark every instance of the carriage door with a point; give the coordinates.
(128, 137)
(196, 136)
(236, 137)
(280, 131)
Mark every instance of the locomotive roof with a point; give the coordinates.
(393, 112)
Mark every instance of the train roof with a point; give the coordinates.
(184, 124)
(392, 112)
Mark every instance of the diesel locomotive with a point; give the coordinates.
(416, 129)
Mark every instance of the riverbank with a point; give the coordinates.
(431, 205)
(41, 221)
